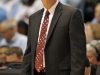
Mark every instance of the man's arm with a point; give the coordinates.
(78, 44)
(26, 66)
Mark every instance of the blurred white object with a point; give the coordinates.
(28, 10)
(8, 5)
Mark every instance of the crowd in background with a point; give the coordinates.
(14, 20)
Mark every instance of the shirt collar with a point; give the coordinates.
(52, 9)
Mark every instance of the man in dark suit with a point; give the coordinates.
(56, 41)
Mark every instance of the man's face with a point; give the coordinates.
(3, 54)
(97, 13)
(92, 57)
(6, 33)
(14, 58)
(88, 32)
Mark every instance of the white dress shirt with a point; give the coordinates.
(51, 11)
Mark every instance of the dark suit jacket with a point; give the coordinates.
(98, 70)
(93, 70)
(65, 49)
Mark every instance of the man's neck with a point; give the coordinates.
(48, 3)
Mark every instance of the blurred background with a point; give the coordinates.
(14, 21)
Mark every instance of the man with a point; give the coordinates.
(15, 54)
(93, 54)
(56, 44)
(3, 51)
(8, 30)
(97, 14)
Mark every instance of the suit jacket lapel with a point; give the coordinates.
(35, 28)
(56, 17)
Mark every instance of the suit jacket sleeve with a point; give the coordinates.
(26, 66)
(78, 44)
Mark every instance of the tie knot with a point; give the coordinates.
(47, 13)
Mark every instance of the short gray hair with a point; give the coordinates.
(95, 42)
(90, 48)
(10, 24)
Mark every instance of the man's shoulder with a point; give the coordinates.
(37, 13)
(69, 8)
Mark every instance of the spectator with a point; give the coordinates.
(89, 32)
(8, 30)
(3, 51)
(96, 43)
(93, 54)
(92, 69)
(97, 14)
(15, 54)
(92, 31)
